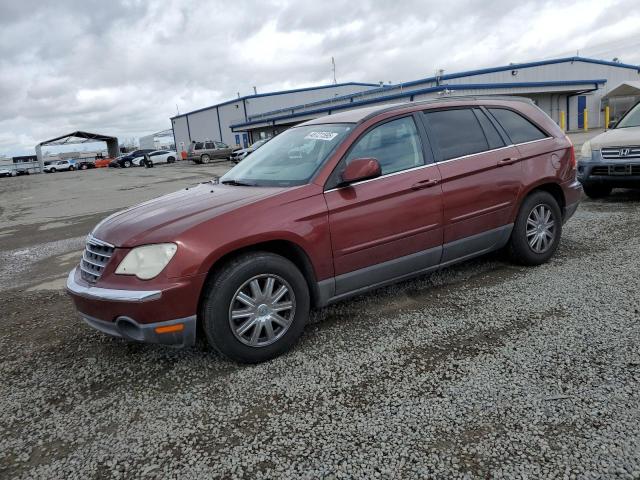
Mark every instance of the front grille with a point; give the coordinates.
(604, 170)
(95, 257)
(621, 153)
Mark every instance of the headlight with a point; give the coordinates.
(585, 152)
(147, 261)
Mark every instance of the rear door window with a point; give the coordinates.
(519, 129)
(395, 144)
(455, 132)
(209, 146)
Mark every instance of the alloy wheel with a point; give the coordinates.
(541, 228)
(262, 310)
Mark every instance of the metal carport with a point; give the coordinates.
(78, 137)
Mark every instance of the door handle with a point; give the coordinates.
(425, 184)
(507, 161)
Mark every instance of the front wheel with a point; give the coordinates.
(255, 307)
(597, 191)
(537, 230)
(171, 159)
(127, 164)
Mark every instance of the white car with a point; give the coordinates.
(6, 172)
(238, 155)
(159, 156)
(60, 166)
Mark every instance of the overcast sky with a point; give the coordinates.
(121, 67)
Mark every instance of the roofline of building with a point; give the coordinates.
(462, 86)
(468, 73)
(280, 92)
(517, 66)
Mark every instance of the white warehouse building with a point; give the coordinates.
(570, 85)
(214, 122)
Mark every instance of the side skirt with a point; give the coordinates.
(359, 281)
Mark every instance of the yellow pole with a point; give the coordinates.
(606, 117)
(586, 120)
(563, 123)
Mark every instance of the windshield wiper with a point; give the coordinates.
(238, 183)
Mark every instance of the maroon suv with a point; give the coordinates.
(328, 209)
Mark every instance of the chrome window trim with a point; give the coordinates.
(97, 293)
(532, 141)
(474, 154)
(382, 176)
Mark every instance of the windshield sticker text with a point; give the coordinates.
(328, 136)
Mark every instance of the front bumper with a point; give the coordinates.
(165, 316)
(615, 174)
(176, 333)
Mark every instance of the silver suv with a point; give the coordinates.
(204, 152)
(612, 159)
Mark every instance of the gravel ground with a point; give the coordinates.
(481, 370)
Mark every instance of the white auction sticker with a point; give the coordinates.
(328, 136)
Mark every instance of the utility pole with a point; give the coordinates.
(333, 66)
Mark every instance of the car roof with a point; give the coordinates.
(360, 114)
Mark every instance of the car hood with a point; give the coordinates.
(164, 218)
(617, 137)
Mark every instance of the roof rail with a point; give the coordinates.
(451, 98)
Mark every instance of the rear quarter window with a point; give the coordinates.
(518, 128)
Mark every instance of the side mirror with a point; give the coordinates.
(361, 169)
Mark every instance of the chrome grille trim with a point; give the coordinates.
(95, 257)
(618, 153)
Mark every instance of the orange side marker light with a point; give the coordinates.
(178, 327)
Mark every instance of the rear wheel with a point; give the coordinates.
(255, 307)
(171, 159)
(53, 170)
(83, 167)
(127, 163)
(205, 159)
(597, 191)
(537, 230)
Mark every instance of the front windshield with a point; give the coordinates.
(289, 159)
(631, 118)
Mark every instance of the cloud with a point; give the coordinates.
(123, 67)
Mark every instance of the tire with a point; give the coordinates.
(171, 159)
(71, 169)
(528, 229)
(53, 170)
(597, 191)
(83, 167)
(237, 277)
(127, 164)
(205, 159)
